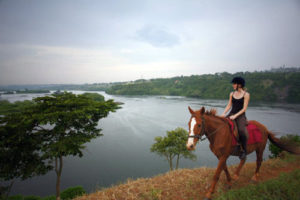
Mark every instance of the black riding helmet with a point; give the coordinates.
(239, 80)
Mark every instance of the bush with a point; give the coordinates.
(16, 197)
(52, 197)
(67, 194)
(31, 197)
(276, 151)
(72, 192)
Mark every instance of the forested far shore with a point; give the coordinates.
(263, 86)
(276, 85)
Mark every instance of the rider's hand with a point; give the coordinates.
(232, 117)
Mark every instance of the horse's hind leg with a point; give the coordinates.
(238, 169)
(259, 155)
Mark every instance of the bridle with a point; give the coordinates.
(204, 132)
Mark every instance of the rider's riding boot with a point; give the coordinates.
(244, 146)
(243, 155)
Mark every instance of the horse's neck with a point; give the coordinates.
(213, 124)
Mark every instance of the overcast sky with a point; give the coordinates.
(92, 41)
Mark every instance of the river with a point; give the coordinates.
(124, 150)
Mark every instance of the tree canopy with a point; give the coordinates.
(20, 145)
(173, 145)
(50, 128)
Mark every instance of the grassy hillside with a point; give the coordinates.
(191, 184)
(263, 86)
(284, 187)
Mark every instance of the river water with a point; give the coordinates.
(124, 150)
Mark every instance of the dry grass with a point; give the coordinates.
(189, 184)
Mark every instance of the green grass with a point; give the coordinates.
(72, 192)
(286, 186)
(66, 194)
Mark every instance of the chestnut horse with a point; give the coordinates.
(217, 130)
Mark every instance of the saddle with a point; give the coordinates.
(254, 134)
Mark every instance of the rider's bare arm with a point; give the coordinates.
(228, 105)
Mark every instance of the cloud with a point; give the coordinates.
(32, 64)
(157, 36)
(64, 42)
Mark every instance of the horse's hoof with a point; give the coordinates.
(228, 187)
(235, 177)
(206, 198)
(253, 181)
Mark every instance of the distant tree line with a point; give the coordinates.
(26, 91)
(281, 84)
(63, 87)
(263, 86)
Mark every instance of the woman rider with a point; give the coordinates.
(238, 102)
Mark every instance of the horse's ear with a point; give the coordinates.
(202, 110)
(191, 111)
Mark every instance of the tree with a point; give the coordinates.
(7, 108)
(20, 146)
(173, 146)
(70, 121)
(56, 126)
(94, 96)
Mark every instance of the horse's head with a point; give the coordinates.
(196, 127)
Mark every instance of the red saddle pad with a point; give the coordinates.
(255, 135)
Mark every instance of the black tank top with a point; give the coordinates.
(237, 104)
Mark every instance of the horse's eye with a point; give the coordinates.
(199, 125)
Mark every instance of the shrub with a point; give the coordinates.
(16, 197)
(72, 192)
(276, 151)
(52, 197)
(31, 197)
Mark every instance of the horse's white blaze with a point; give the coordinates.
(191, 140)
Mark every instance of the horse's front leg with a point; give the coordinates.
(228, 177)
(221, 165)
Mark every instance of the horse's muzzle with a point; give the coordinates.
(190, 147)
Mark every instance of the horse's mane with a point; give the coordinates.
(212, 112)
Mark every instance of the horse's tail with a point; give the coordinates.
(284, 145)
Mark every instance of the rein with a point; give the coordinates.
(203, 131)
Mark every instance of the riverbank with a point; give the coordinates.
(263, 86)
(192, 183)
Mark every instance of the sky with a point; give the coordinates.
(96, 41)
